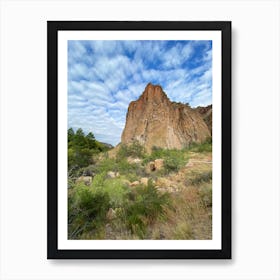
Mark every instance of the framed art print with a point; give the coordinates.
(139, 140)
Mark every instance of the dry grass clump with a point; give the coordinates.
(189, 217)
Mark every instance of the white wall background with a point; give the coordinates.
(255, 152)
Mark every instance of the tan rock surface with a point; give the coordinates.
(144, 181)
(206, 113)
(153, 120)
(87, 180)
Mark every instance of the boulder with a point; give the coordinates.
(134, 160)
(135, 183)
(159, 163)
(87, 180)
(111, 214)
(112, 174)
(144, 181)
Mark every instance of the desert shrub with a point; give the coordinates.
(119, 165)
(172, 164)
(134, 149)
(87, 171)
(144, 206)
(205, 194)
(117, 192)
(200, 178)
(131, 170)
(131, 177)
(156, 153)
(106, 165)
(86, 211)
(206, 146)
(116, 189)
(183, 231)
(98, 180)
(173, 159)
(124, 167)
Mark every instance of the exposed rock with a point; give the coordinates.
(144, 181)
(87, 180)
(151, 166)
(111, 214)
(164, 182)
(206, 113)
(135, 183)
(159, 163)
(154, 121)
(134, 160)
(112, 174)
(170, 189)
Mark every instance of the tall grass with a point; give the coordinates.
(144, 207)
(86, 211)
(135, 209)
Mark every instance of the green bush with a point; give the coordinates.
(98, 180)
(205, 194)
(144, 206)
(116, 190)
(131, 170)
(135, 150)
(106, 165)
(173, 159)
(120, 165)
(86, 211)
(172, 164)
(200, 178)
(202, 147)
(81, 149)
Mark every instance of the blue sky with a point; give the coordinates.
(105, 76)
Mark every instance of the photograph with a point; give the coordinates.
(140, 139)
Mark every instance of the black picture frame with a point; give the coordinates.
(53, 27)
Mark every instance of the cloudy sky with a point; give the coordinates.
(104, 76)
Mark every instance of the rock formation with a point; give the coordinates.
(206, 113)
(153, 120)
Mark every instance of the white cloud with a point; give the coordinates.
(104, 76)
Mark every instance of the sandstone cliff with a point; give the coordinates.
(153, 120)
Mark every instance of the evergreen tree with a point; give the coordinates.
(91, 142)
(81, 149)
(71, 134)
(79, 139)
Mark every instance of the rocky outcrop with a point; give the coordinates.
(154, 121)
(206, 113)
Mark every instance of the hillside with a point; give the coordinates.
(156, 184)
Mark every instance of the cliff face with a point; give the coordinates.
(154, 120)
(206, 113)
